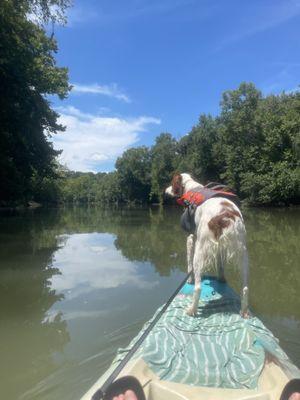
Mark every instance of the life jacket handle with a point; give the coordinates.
(218, 186)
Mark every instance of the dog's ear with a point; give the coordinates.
(177, 186)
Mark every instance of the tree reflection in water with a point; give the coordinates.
(27, 339)
(148, 238)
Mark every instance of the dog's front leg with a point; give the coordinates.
(190, 256)
(192, 311)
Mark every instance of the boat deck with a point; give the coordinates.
(217, 354)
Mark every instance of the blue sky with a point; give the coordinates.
(142, 67)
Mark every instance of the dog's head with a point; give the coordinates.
(177, 188)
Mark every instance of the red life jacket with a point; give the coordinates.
(198, 196)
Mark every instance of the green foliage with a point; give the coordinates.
(280, 185)
(240, 133)
(260, 141)
(276, 178)
(252, 146)
(199, 150)
(45, 11)
(164, 160)
(79, 188)
(134, 172)
(110, 190)
(28, 73)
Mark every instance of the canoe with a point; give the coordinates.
(216, 355)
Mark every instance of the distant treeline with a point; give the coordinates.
(253, 145)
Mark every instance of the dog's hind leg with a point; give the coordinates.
(220, 268)
(192, 311)
(190, 242)
(245, 289)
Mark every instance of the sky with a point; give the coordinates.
(143, 67)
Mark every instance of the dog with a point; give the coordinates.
(219, 238)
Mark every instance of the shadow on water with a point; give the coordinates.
(78, 283)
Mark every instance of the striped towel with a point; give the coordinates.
(218, 348)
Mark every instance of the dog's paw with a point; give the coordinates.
(245, 314)
(191, 312)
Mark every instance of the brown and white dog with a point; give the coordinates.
(219, 239)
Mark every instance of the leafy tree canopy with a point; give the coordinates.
(134, 171)
(28, 73)
(252, 146)
(164, 160)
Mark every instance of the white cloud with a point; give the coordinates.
(98, 249)
(293, 90)
(286, 79)
(99, 157)
(90, 140)
(126, 11)
(262, 18)
(71, 315)
(78, 15)
(106, 90)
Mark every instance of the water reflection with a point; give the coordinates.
(273, 240)
(88, 262)
(27, 341)
(157, 239)
(78, 283)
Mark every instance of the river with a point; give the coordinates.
(78, 283)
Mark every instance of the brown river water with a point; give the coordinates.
(78, 283)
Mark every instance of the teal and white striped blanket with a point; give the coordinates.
(217, 348)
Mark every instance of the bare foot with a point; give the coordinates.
(128, 395)
(295, 396)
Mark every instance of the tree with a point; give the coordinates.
(164, 160)
(240, 133)
(198, 150)
(44, 11)
(134, 172)
(276, 176)
(108, 190)
(28, 73)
